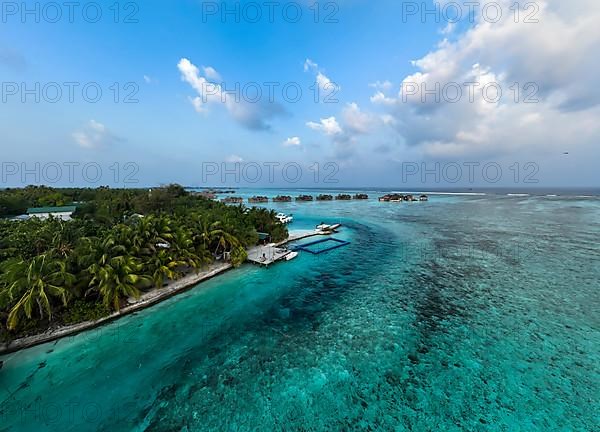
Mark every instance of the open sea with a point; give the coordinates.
(474, 312)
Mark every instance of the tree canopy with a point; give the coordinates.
(120, 243)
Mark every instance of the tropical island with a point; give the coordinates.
(117, 246)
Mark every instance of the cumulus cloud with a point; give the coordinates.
(344, 137)
(292, 142)
(253, 115)
(356, 120)
(211, 73)
(328, 126)
(94, 135)
(551, 63)
(327, 86)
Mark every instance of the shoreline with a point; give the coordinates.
(146, 300)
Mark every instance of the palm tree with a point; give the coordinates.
(118, 278)
(183, 248)
(163, 265)
(204, 231)
(34, 283)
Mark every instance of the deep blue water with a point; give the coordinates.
(478, 313)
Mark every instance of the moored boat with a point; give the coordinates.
(291, 256)
(284, 219)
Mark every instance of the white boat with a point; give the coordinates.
(291, 256)
(325, 227)
(284, 219)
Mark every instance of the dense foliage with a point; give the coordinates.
(119, 244)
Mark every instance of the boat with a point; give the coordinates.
(284, 219)
(291, 256)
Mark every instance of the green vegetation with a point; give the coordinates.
(119, 244)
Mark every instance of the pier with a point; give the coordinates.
(266, 255)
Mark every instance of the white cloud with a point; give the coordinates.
(327, 86)
(211, 73)
(254, 116)
(94, 135)
(309, 64)
(328, 126)
(382, 99)
(292, 142)
(356, 120)
(555, 54)
(448, 29)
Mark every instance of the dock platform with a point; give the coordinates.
(266, 255)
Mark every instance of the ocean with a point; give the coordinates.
(477, 311)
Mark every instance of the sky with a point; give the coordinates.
(351, 93)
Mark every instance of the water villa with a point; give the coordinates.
(283, 198)
(392, 198)
(343, 197)
(402, 198)
(361, 197)
(233, 200)
(305, 198)
(325, 198)
(258, 200)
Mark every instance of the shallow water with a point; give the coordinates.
(477, 313)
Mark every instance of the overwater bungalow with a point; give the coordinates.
(343, 197)
(361, 197)
(258, 200)
(325, 198)
(305, 198)
(423, 198)
(392, 198)
(233, 200)
(282, 198)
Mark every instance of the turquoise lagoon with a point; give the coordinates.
(466, 313)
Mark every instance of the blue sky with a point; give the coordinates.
(375, 133)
